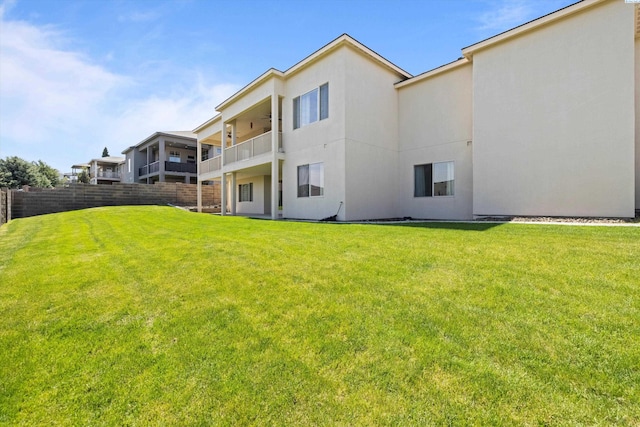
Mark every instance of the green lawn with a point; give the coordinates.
(156, 316)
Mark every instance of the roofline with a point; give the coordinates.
(157, 134)
(339, 41)
(529, 26)
(102, 159)
(433, 72)
(208, 123)
(272, 72)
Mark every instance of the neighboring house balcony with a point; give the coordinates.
(154, 168)
(105, 170)
(106, 174)
(168, 161)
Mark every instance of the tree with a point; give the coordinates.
(16, 172)
(83, 177)
(105, 152)
(47, 171)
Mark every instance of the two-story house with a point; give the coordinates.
(542, 119)
(162, 157)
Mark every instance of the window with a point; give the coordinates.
(311, 107)
(246, 192)
(433, 179)
(311, 180)
(191, 159)
(174, 156)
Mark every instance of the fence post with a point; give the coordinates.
(9, 207)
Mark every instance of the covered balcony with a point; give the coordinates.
(242, 148)
(246, 140)
(170, 161)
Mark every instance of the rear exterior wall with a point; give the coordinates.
(554, 122)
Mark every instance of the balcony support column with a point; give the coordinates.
(223, 194)
(198, 182)
(161, 159)
(233, 133)
(233, 193)
(275, 164)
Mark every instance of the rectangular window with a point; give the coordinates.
(246, 192)
(191, 159)
(311, 180)
(433, 179)
(174, 156)
(311, 107)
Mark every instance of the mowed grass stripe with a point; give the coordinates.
(152, 315)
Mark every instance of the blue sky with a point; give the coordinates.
(76, 76)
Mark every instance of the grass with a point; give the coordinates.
(155, 316)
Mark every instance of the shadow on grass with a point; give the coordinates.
(464, 226)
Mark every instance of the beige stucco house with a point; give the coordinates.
(104, 170)
(542, 119)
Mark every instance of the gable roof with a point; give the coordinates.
(343, 40)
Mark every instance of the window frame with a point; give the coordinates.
(321, 106)
(432, 187)
(241, 192)
(175, 154)
(309, 193)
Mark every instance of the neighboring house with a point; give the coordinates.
(162, 157)
(542, 119)
(104, 170)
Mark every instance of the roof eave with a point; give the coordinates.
(468, 51)
(434, 72)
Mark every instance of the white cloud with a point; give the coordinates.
(506, 14)
(60, 106)
(179, 110)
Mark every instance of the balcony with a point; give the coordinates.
(106, 174)
(150, 168)
(211, 165)
(180, 167)
(246, 150)
(253, 147)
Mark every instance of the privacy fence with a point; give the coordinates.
(31, 201)
(5, 205)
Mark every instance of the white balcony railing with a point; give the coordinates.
(107, 174)
(253, 147)
(211, 165)
(248, 149)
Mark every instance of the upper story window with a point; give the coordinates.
(311, 107)
(174, 156)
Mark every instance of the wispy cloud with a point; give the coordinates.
(506, 14)
(60, 106)
(138, 17)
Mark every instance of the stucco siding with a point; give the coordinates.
(435, 125)
(637, 127)
(554, 119)
(371, 139)
(318, 142)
